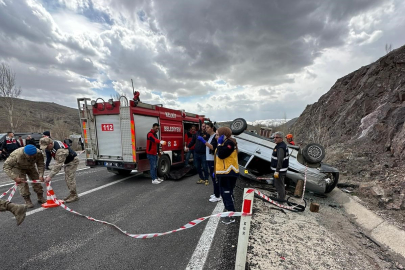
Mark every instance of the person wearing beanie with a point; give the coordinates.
(30, 150)
(47, 134)
(25, 161)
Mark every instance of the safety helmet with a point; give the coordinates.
(289, 136)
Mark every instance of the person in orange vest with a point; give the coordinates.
(289, 138)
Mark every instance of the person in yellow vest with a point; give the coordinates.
(226, 168)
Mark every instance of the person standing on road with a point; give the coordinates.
(66, 157)
(211, 146)
(227, 168)
(47, 134)
(187, 139)
(200, 160)
(22, 162)
(81, 141)
(10, 144)
(30, 140)
(19, 210)
(279, 164)
(152, 147)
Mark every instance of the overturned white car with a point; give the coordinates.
(254, 154)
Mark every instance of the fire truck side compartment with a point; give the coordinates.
(143, 124)
(109, 141)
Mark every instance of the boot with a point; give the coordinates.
(41, 198)
(18, 210)
(28, 201)
(72, 197)
(68, 197)
(200, 181)
(207, 183)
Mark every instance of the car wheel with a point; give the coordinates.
(335, 178)
(238, 126)
(313, 153)
(163, 166)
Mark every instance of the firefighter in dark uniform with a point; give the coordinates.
(279, 164)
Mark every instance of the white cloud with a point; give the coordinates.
(257, 60)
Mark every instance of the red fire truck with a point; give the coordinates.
(115, 133)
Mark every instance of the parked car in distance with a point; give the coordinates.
(255, 152)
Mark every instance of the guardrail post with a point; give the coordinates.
(244, 228)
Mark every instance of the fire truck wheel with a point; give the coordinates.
(163, 166)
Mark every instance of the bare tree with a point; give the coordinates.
(60, 130)
(9, 91)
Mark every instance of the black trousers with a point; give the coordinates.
(48, 158)
(279, 185)
(227, 184)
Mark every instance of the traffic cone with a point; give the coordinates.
(49, 201)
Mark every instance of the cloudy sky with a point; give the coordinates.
(258, 59)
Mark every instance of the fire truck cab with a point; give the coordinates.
(115, 133)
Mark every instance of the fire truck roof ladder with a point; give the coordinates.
(88, 125)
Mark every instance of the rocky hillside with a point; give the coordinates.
(32, 116)
(361, 122)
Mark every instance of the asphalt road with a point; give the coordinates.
(56, 239)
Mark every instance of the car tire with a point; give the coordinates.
(238, 126)
(163, 166)
(313, 153)
(335, 179)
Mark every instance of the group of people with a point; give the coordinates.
(29, 161)
(214, 154)
(11, 144)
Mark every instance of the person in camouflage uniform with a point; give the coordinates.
(64, 156)
(22, 163)
(18, 210)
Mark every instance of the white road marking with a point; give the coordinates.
(84, 193)
(200, 254)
